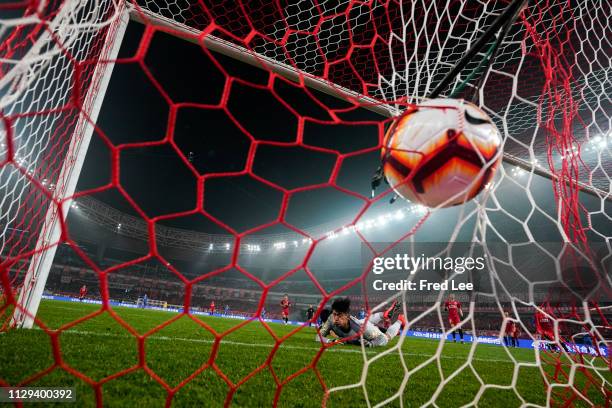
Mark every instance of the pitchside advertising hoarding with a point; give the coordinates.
(522, 343)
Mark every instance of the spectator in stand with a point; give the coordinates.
(362, 314)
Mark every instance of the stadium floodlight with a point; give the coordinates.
(536, 163)
(418, 209)
(599, 142)
(518, 172)
(253, 247)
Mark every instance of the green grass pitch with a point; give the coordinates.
(100, 347)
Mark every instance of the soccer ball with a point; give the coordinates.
(441, 153)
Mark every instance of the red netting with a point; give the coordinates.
(544, 69)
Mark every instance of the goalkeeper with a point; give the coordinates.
(345, 326)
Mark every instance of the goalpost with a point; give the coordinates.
(543, 78)
(42, 60)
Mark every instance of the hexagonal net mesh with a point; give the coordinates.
(273, 113)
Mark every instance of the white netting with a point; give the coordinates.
(47, 66)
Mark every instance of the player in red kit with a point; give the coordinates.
(515, 335)
(545, 326)
(212, 308)
(285, 304)
(509, 333)
(454, 311)
(82, 292)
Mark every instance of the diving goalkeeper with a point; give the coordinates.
(345, 326)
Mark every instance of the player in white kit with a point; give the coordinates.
(345, 326)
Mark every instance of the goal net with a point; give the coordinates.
(323, 82)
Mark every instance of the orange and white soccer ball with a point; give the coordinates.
(441, 153)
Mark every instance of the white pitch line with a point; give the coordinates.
(337, 349)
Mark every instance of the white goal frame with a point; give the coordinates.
(36, 276)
